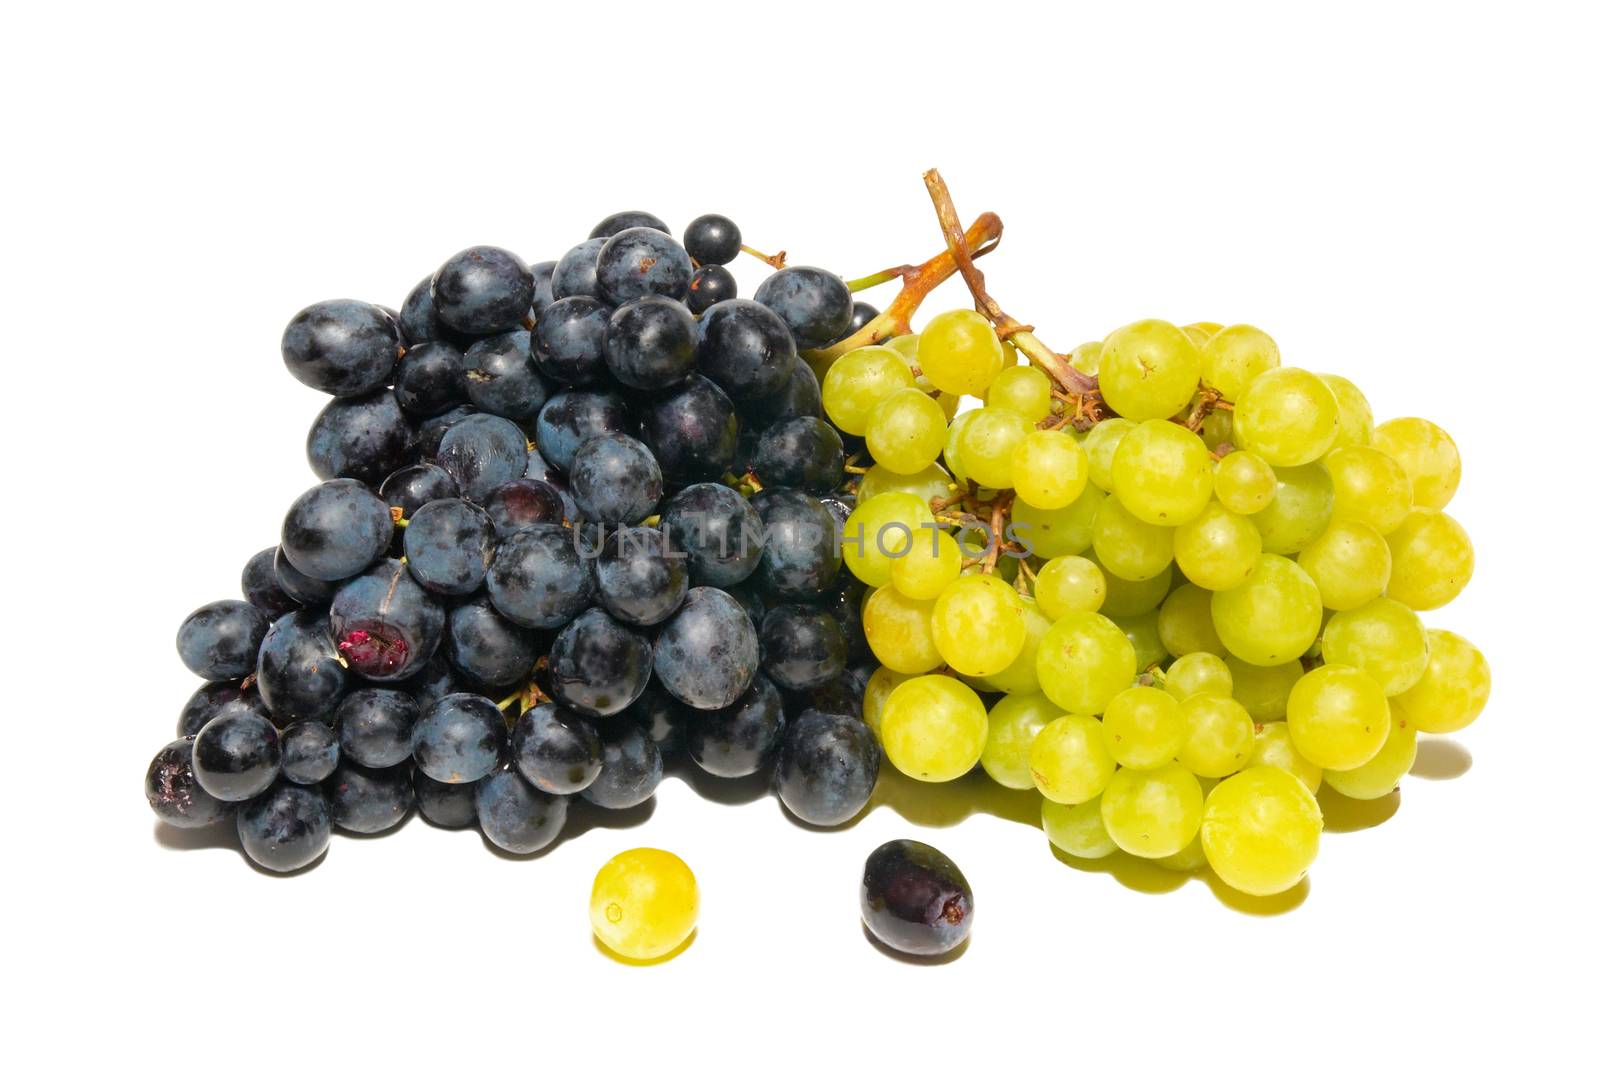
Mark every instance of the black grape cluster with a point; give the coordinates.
(578, 519)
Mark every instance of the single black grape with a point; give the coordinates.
(419, 320)
(286, 828)
(385, 624)
(515, 505)
(630, 766)
(174, 794)
(639, 577)
(369, 801)
(375, 727)
(415, 486)
(598, 665)
(431, 379)
(310, 752)
(450, 806)
(236, 756)
(299, 673)
(220, 640)
(801, 558)
(460, 738)
(746, 349)
(914, 899)
(650, 343)
(861, 314)
(515, 816)
(363, 438)
(639, 262)
(573, 416)
(502, 378)
(737, 740)
(615, 480)
(749, 596)
(336, 529)
(569, 340)
(575, 274)
(827, 768)
(841, 695)
(448, 544)
(801, 646)
(343, 348)
(431, 432)
(488, 648)
(813, 302)
(804, 453)
(718, 529)
(541, 274)
(693, 431)
(215, 698)
(538, 579)
(439, 678)
(706, 654)
(483, 291)
(801, 397)
(843, 600)
(482, 452)
(663, 718)
(712, 239)
(618, 222)
(556, 750)
(711, 284)
(259, 584)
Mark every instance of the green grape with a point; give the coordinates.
(1216, 428)
(1185, 624)
(1368, 486)
(1069, 583)
(877, 531)
(952, 443)
(1261, 831)
(959, 352)
(1381, 774)
(1100, 447)
(1049, 469)
(1008, 354)
(1013, 723)
(1218, 549)
(876, 694)
(978, 624)
(1022, 675)
(906, 433)
(934, 728)
(1054, 533)
(1288, 416)
(1384, 638)
(1086, 358)
(1349, 563)
(1264, 690)
(900, 631)
(1299, 510)
(1084, 659)
(1068, 760)
(1234, 356)
(1427, 453)
(1355, 414)
(1022, 389)
(1127, 546)
(905, 346)
(1144, 632)
(1218, 735)
(1274, 747)
(1244, 482)
(931, 563)
(1143, 728)
(1161, 473)
(1185, 860)
(1148, 370)
(1432, 560)
(1131, 598)
(987, 442)
(1152, 813)
(1338, 717)
(1454, 688)
(857, 382)
(1273, 617)
(1198, 673)
(1076, 828)
(932, 482)
(1200, 331)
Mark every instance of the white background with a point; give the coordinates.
(1403, 194)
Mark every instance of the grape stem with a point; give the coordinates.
(774, 261)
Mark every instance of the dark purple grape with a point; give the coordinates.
(706, 654)
(914, 899)
(618, 222)
(375, 727)
(450, 806)
(216, 698)
(814, 303)
(664, 719)
(220, 640)
(693, 431)
(385, 624)
(575, 415)
(827, 768)
(363, 438)
(237, 756)
(502, 378)
(630, 766)
(718, 529)
(415, 486)
(515, 816)
(460, 738)
(488, 648)
(801, 397)
(310, 752)
(483, 291)
(737, 740)
(712, 239)
(259, 583)
(574, 274)
(174, 794)
(639, 578)
(597, 665)
(745, 349)
(570, 338)
(538, 579)
(801, 646)
(419, 320)
(336, 529)
(556, 750)
(448, 545)
(299, 674)
(711, 284)
(515, 505)
(481, 452)
(369, 801)
(639, 262)
(801, 554)
(615, 480)
(803, 453)
(343, 348)
(431, 379)
(650, 343)
(286, 828)
(541, 273)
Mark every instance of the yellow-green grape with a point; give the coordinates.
(987, 442)
(952, 440)
(1384, 637)
(1368, 486)
(1338, 717)
(877, 530)
(1264, 690)
(933, 728)
(1084, 659)
(1198, 673)
(1049, 469)
(1125, 545)
(1274, 747)
(1053, 533)
(1432, 560)
(1022, 675)
(1148, 370)
(1273, 617)
(931, 563)
(1013, 723)
(1454, 688)
(1069, 761)
(959, 352)
(1152, 813)
(1218, 549)
(1355, 413)
(858, 381)
(1185, 624)
(900, 631)
(1218, 735)
(1244, 482)
(932, 482)
(1161, 473)
(1008, 354)
(1069, 583)
(1288, 416)
(1261, 831)
(1130, 598)
(1022, 389)
(1100, 447)
(645, 903)
(876, 694)
(1144, 632)
(1086, 358)
(1076, 828)
(1234, 356)
(1299, 510)
(1143, 728)
(907, 430)
(1201, 330)
(1185, 860)
(1349, 563)
(978, 624)
(1427, 453)
(905, 346)
(1216, 428)
(1381, 774)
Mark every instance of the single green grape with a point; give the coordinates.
(1049, 469)
(858, 381)
(906, 432)
(1264, 690)
(1152, 813)
(878, 530)
(1355, 413)
(1143, 728)
(978, 624)
(1381, 774)
(876, 695)
(1299, 510)
(1198, 673)
(1053, 533)
(1275, 747)
(1069, 583)
(1131, 598)
(933, 728)
(1200, 331)
(952, 444)
(1218, 735)
(906, 346)
(959, 352)
(1086, 358)
(1454, 687)
(931, 563)
(1127, 546)
(1384, 637)
(1287, 415)
(1068, 759)
(1432, 560)
(1244, 482)
(1144, 632)
(1022, 675)
(644, 903)
(1013, 723)
(1234, 356)
(1022, 389)
(1261, 831)
(1217, 549)
(1428, 455)
(1185, 860)
(1368, 486)
(899, 630)
(1083, 660)
(1161, 473)
(932, 482)
(1273, 617)
(1100, 446)
(1349, 562)
(1148, 370)
(1185, 624)
(1076, 828)
(1338, 717)
(988, 440)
